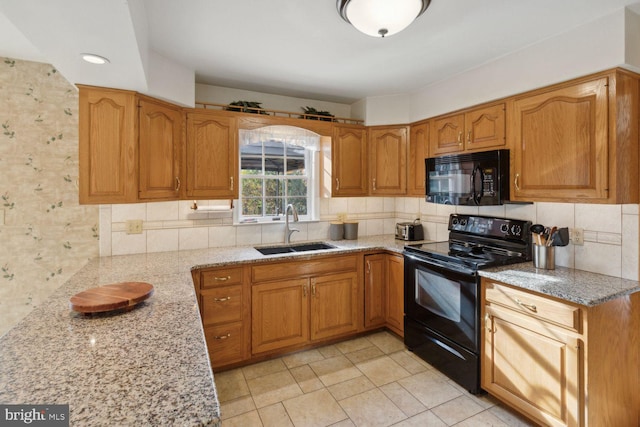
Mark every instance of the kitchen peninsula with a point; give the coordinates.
(149, 365)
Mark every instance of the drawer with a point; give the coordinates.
(547, 309)
(220, 277)
(221, 305)
(225, 343)
(306, 268)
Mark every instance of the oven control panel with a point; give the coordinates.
(490, 227)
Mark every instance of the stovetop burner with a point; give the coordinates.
(479, 242)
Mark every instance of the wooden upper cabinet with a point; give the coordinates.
(349, 158)
(388, 160)
(560, 142)
(485, 127)
(418, 151)
(476, 129)
(447, 135)
(212, 156)
(107, 146)
(577, 141)
(160, 145)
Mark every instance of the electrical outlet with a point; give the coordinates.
(576, 235)
(134, 226)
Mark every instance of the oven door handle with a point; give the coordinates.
(442, 264)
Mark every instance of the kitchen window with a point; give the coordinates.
(279, 165)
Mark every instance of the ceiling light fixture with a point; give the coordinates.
(381, 18)
(94, 59)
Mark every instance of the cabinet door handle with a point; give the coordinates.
(368, 267)
(222, 279)
(231, 183)
(222, 337)
(460, 138)
(337, 184)
(487, 319)
(515, 182)
(304, 291)
(527, 306)
(222, 299)
(469, 137)
(178, 183)
(313, 287)
(374, 184)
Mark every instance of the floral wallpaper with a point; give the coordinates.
(45, 235)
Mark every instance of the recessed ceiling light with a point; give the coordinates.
(94, 59)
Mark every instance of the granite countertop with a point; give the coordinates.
(149, 365)
(146, 366)
(581, 287)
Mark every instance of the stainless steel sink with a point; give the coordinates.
(300, 247)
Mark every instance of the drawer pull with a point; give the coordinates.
(222, 279)
(222, 299)
(527, 306)
(222, 337)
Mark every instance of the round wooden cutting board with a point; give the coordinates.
(110, 297)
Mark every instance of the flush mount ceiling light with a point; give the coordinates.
(94, 59)
(380, 18)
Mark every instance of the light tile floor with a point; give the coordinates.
(366, 381)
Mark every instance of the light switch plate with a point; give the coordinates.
(134, 226)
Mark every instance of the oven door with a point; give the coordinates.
(444, 299)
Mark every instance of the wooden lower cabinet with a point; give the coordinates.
(280, 314)
(299, 302)
(384, 292)
(224, 302)
(395, 293)
(375, 278)
(334, 305)
(560, 363)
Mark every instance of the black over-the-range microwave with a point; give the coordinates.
(475, 179)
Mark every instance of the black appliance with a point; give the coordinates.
(442, 290)
(476, 179)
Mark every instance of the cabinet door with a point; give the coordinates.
(447, 135)
(485, 128)
(561, 144)
(533, 367)
(418, 151)
(107, 146)
(375, 276)
(388, 164)
(349, 158)
(395, 293)
(279, 314)
(160, 145)
(334, 305)
(212, 156)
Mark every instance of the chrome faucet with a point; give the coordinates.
(289, 231)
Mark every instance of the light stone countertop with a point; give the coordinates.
(149, 366)
(146, 366)
(578, 286)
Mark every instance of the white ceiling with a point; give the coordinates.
(297, 48)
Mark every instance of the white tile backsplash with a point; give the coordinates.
(611, 231)
(607, 218)
(163, 211)
(122, 213)
(193, 238)
(162, 240)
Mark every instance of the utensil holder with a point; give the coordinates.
(336, 231)
(544, 257)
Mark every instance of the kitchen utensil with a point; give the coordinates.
(552, 233)
(110, 297)
(561, 237)
(537, 230)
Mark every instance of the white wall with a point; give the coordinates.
(593, 47)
